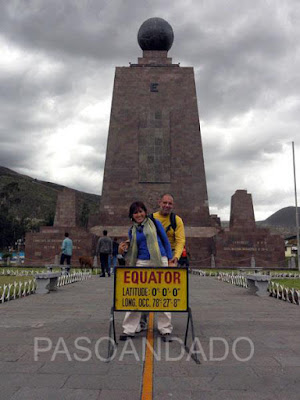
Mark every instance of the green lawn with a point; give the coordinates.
(290, 283)
(5, 280)
(250, 271)
(40, 269)
(282, 271)
(11, 279)
(19, 269)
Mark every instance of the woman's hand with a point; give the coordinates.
(123, 247)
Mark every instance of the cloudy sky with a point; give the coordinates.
(56, 79)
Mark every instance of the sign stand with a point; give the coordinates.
(160, 298)
(190, 320)
(111, 334)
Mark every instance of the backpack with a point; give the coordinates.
(173, 223)
(105, 245)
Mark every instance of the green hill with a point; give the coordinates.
(282, 222)
(32, 202)
(284, 217)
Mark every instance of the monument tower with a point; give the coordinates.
(154, 141)
(154, 147)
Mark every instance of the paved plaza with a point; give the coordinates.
(70, 326)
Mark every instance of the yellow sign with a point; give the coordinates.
(151, 289)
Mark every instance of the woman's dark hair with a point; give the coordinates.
(137, 205)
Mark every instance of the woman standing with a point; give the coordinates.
(148, 246)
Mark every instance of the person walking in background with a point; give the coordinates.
(66, 251)
(148, 245)
(104, 251)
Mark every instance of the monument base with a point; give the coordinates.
(44, 246)
(255, 248)
(199, 241)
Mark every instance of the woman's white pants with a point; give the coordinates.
(131, 323)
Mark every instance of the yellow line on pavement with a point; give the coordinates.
(147, 388)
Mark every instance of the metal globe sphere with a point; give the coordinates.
(155, 34)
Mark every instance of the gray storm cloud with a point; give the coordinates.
(56, 83)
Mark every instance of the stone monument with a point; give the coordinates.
(154, 142)
(154, 147)
(44, 246)
(245, 244)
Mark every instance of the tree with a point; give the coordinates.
(11, 227)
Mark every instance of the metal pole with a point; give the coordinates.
(297, 216)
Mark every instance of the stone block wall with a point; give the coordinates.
(42, 247)
(67, 210)
(154, 143)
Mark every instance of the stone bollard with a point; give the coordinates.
(293, 263)
(18, 261)
(56, 259)
(213, 261)
(258, 284)
(252, 264)
(95, 262)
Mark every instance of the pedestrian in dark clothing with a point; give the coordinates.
(104, 251)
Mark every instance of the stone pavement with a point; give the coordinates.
(226, 317)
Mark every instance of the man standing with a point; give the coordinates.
(173, 225)
(104, 250)
(66, 251)
(174, 228)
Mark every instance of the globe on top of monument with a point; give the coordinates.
(155, 34)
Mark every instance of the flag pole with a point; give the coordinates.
(296, 204)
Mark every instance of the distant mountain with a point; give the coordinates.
(282, 222)
(284, 217)
(35, 199)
